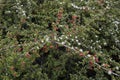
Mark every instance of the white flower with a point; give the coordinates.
(55, 37)
(97, 41)
(42, 41)
(110, 72)
(72, 47)
(62, 2)
(93, 8)
(81, 50)
(91, 47)
(66, 37)
(83, 7)
(24, 14)
(62, 35)
(93, 58)
(107, 7)
(117, 41)
(91, 40)
(96, 36)
(16, 10)
(47, 39)
(60, 25)
(37, 47)
(72, 39)
(117, 67)
(8, 12)
(83, 38)
(79, 43)
(76, 40)
(106, 1)
(61, 38)
(23, 11)
(99, 46)
(110, 59)
(105, 43)
(89, 8)
(111, 33)
(69, 44)
(21, 5)
(100, 29)
(63, 43)
(14, 6)
(76, 48)
(88, 55)
(18, 3)
(76, 37)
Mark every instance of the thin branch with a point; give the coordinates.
(87, 57)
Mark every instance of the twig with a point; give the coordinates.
(87, 57)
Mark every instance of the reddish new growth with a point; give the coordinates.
(51, 46)
(91, 64)
(20, 49)
(96, 59)
(28, 55)
(60, 13)
(12, 68)
(81, 54)
(74, 17)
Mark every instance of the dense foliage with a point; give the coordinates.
(59, 40)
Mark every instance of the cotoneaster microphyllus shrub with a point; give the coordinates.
(59, 40)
